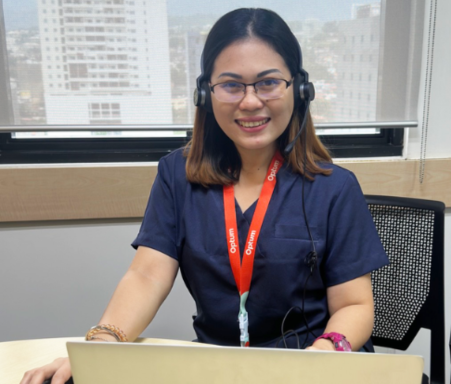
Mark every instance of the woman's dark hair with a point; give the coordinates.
(244, 23)
(211, 155)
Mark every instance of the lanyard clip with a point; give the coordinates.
(244, 329)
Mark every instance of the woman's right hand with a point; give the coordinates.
(59, 371)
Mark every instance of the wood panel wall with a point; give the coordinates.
(71, 192)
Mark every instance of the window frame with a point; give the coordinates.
(387, 143)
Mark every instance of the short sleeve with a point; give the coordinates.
(159, 227)
(353, 245)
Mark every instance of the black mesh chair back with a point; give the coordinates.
(409, 293)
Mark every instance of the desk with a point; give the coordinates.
(17, 357)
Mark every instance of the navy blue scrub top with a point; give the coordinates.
(186, 222)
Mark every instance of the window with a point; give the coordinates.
(110, 77)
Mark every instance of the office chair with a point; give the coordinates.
(409, 293)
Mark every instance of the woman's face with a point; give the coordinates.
(252, 123)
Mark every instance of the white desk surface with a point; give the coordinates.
(17, 357)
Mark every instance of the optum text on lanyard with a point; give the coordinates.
(242, 271)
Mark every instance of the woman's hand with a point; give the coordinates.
(321, 345)
(59, 371)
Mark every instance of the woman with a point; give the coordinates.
(301, 223)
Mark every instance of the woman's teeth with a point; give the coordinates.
(251, 124)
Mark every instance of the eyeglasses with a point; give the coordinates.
(233, 91)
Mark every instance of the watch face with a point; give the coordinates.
(342, 345)
(339, 341)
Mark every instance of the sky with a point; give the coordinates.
(23, 13)
(20, 14)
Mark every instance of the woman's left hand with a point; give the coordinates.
(321, 345)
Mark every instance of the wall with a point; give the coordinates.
(57, 278)
(439, 134)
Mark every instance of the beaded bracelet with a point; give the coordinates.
(99, 338)
(108, 328)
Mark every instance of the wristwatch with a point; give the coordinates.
(339, 341)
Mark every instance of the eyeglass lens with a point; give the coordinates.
(231, 91)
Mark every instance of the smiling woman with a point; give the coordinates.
(258, 192)
(248, 103)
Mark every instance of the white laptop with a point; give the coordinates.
(128, 363)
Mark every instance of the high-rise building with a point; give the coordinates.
(25, 76)
(357, 65)
(105, 61)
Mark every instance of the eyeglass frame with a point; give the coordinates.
(288, 83)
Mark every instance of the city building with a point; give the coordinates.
(24, 59)
(357, 63)
(105, 61)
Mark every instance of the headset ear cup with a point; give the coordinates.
(207, 97)
(304, 92)
(202, 96)
(196, 97)
(307, 91)
(297, 89)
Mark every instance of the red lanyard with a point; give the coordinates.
(242, 272)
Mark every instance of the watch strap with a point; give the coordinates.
(339, 341)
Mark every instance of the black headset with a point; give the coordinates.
(303, 90)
